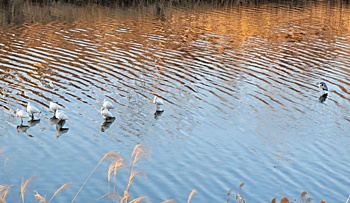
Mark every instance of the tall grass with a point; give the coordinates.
(117, 162)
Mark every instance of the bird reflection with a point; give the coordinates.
(157, 114)
(107, 123)
(53, 120)
(33, 122)
(323, 97)
(23, 129)
(60, 129)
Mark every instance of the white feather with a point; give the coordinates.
(54, 107)
(105, 113)
(32, 109)
(108, 105)
(22, 114)
(158, 102)
(61, 115)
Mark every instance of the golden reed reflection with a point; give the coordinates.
(75, 44)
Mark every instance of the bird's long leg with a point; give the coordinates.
(21, 121)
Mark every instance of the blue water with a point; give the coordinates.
(241, 105)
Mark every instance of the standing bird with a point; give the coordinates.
(158, 102)
(324, 94)
(60, 115)
(22, 114)
(106, 114)
(32, 110)
(324, 87)
(108, 105)
(54, 107)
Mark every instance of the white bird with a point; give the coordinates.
(158, 102)
(54, 107)
(105, 113)
(60, 115)
(22, 114)
(32, 110)
(108, 105)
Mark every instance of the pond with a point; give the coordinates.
(239, 86)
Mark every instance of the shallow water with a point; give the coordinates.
(240, 91)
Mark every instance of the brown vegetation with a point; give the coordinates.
(117, 162)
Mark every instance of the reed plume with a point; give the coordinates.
(24, 185)
(139, 199)
(284, 200)
(4, 190)
(41, 199)
(191, 195)
(169, 201)
(60, 189)
(110, 154)
(117, 163)
(136, 155)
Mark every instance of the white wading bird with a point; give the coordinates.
(60, 115)
(105, 113)
(158, 102)
(108, 105)
(22, 114)
(32, 110)
(54, 107)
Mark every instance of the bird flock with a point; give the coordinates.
(59, 118)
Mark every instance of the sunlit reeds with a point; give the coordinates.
(138, 153)
(4, 190)
(117, 162)
(42, 199)
(24, 185)
(109, 155)
(191, 195)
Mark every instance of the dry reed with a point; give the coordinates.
(24, 185)
(138, 153)
(169, 201)
(41, 199)
(117, 162)
(191, 195)
(113, 195)
(110, 154)
(60, 190)
(4, 190)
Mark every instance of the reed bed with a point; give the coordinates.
(117, 162)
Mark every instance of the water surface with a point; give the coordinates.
(240, 91)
